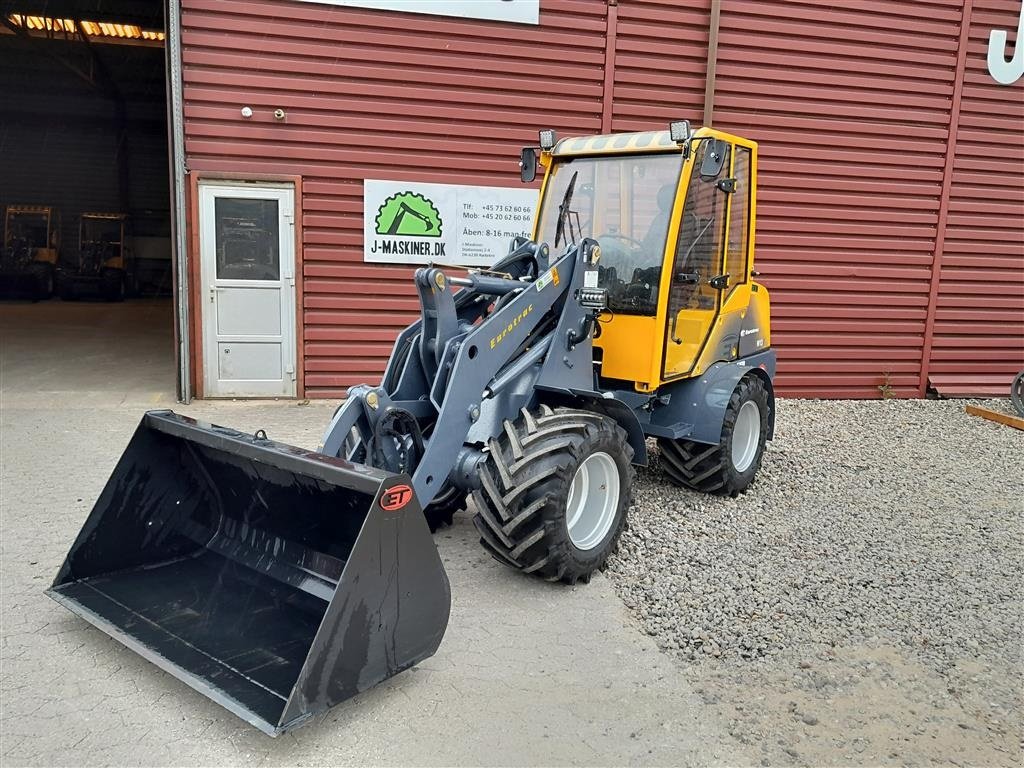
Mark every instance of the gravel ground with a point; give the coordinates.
(862, 603)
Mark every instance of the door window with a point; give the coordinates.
(247, 242)
(699, 256)
(701, 241)
(737, 258)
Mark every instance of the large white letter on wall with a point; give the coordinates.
(518, 11)
(1006, 71)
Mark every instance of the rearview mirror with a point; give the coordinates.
(528, 164)
(714, 159)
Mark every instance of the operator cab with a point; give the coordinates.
(674, 219)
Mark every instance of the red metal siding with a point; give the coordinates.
(877, 277)
(660, 61)
(372, 94)
(851, 106)
(979, 312)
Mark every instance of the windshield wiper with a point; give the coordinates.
(563, 210)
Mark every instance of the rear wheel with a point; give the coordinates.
(554, 493)
(112, 285)
(728, 468)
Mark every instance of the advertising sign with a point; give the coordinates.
(518, 11)
(408, 222)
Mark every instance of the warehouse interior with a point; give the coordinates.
(86, 284)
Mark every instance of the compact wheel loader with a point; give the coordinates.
(28, 259)
(280, 581)
(100, 269)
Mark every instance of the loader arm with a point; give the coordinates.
(473, 360)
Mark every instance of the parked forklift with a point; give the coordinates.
(279, 581)
(31, 249)
(100, 270)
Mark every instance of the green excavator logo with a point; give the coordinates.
(410, 214)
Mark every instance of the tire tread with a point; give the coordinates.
(520, 511)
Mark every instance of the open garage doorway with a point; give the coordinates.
(86, 276)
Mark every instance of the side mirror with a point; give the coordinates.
(528, 164)
(714, 159)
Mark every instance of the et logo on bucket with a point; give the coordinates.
(395, 497)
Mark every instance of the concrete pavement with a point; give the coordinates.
(528, 674)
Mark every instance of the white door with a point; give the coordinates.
(247, 252)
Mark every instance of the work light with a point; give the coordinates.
(547, 140)
(679, 131)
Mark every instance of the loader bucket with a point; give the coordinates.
(274, 580)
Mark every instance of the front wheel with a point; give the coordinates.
(42, 281)
(554, 493)
(440, 513)
(728, 468)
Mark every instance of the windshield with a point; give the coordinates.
(30, 227)
(625, 203)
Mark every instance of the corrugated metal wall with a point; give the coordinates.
(661, 50)
(978, 339)
(852, 106)
(373, 94)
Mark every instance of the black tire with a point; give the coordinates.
(441, 511)
(525, 485)
(710, 468)
(66, 289)
(112, 285)
(42, 281)
(1017, 393)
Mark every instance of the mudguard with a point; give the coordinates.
(695, 408)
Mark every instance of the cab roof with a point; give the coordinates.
(616, 143)
(29, 208)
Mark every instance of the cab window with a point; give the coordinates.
(737, 259)
(625, 203)
(699, 247)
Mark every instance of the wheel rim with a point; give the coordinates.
(746, 435)
(593, 500)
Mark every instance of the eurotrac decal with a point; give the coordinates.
(516, 11)
(415, 223)
(512, 325)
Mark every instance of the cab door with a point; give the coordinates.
(694, 302)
